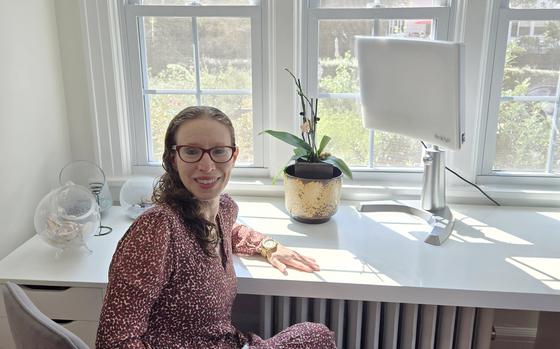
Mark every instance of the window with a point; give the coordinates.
(522, 131)
(202, 52)
(148, 58)
(332, 72)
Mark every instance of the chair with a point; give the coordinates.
(32, 329)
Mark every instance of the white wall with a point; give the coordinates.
(34, 136)
(75, 79)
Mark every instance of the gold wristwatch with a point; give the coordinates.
(267, 247)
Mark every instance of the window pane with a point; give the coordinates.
(341, 119)
(169, 53)
(240, 111)
(382, 3)
(337, 63)
(225, 53)
(523, 136)
(394, 150)
(532, 60)
(196, 2)
(162, 109)
(531, 73)
(534, 3)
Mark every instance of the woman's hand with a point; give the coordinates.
(283, 257)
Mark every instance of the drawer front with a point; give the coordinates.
(6, 341)
(73, 303)
(86, 330)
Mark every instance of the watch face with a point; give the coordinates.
(269, 244)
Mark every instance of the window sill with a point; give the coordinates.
(506, 195)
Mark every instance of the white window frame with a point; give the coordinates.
(139, 100)
(475, 23)
(445, 29)
(499, 36)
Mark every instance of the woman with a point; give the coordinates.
(171, 280)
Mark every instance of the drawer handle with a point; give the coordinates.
(62, 322)
(44, 287)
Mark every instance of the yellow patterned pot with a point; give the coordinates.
(311, 200)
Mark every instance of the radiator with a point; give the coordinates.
(374, 325)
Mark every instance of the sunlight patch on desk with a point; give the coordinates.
(248, 208)
(552, 215)
(408, 226)
(337, 266)
(488, 234)
(271, 226)
(546, 270)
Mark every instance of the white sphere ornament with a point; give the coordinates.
(136, 196)
(67, 217)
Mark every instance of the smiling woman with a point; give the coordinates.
(171, 282)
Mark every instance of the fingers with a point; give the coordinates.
(284, 257)
(299, 265)
(307, 258)
(278, 265)
(309, 262)
(294, 260)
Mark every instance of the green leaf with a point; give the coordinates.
(340, 164)
(324, 141)
(299, 152)
(290, 139)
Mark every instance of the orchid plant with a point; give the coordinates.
(306, 148)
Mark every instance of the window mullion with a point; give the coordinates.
(196, 53)
(257, 86)
(192, 11)
(371, 145)
(381, 13)
(554, 130)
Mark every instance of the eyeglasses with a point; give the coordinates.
(191, 154)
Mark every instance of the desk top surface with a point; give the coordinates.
(499, 257)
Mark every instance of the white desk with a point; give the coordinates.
(497, 257)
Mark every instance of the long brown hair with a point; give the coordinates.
(170, 190)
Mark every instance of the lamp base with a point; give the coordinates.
(441, 221)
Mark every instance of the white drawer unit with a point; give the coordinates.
(64, 303)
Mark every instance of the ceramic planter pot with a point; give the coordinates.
(311, 200)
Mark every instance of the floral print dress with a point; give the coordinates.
(165, 292)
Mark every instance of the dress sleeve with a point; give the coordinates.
(139, 270)
(244, 240)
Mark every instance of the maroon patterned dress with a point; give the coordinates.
(165, 292)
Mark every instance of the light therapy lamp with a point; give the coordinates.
(416, 88)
